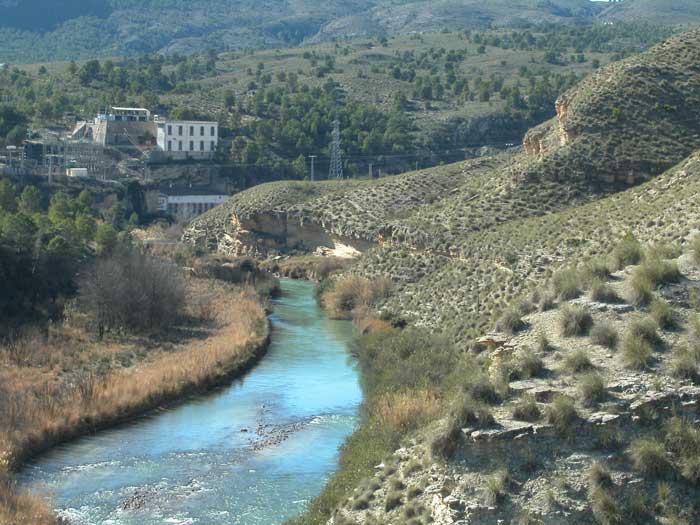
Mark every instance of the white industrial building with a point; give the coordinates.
(181, 139)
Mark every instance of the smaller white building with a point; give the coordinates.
(181, 139)
(185, 206)
(78, 172)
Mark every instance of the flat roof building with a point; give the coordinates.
(180, 139)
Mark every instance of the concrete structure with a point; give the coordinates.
(186, 204)
(118, 126)
(77, 172)
(182, 139)
(129, 114)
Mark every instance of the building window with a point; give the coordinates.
(213, 132)
(179, 145)
(191, 145)
(170, 130)
(170, 145)
(213, 145)
(201, 131)
(201, 145)
(179, 130)
(191, 130)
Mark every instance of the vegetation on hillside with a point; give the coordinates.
(409, 100)
(43, 29)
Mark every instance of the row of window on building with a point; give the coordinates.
(190, 208)
(192, 148)
(180, 130)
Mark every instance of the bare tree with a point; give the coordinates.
(132, 292)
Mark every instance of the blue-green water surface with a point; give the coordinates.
(253, 453)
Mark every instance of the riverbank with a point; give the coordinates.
(398, 399)
(63, 384)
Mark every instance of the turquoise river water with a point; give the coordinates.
(253, 453)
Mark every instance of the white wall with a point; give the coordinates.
(182, 138)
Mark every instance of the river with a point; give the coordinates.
(253, 453)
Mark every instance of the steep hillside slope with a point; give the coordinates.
(681, 12)
(585, 414)
(626, 122)
(491, 267)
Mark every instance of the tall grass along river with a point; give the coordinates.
(253, 453)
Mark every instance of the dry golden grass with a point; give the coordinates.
(50, 390)
(406, 411)
(351, 296)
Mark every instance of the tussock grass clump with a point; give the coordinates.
(641, 291)
(562, 413)
(645, 329)
(592, 389)
(481, 389)
(510, 322)
(595, 271)
(663, 314)
(577, 361)
(393, 500)
(465, 411)
(528, 364)
(649, 458)
(543, 345)
(605, 507)
(628, 252)
(684, 364)
(546, 302)
(495, 486)
(599, 476)
(602, 292)
(636, 352)
(527, 409)
(574, 321)
(396, 484)
(413, 492)
(565, 284)
(695, 249)
(361, 502)
(604, 334)
(658, 272)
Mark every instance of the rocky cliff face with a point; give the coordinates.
(327, 216)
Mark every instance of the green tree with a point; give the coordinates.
(30, 200)
(85, 199)
(8, 201)
(299, 166)
(18, 232)
(60, 208)
(86, 227)
(106, 239)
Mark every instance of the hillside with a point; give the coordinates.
(584, 413)
(677, 12)
(41, 29)
(465, 237)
